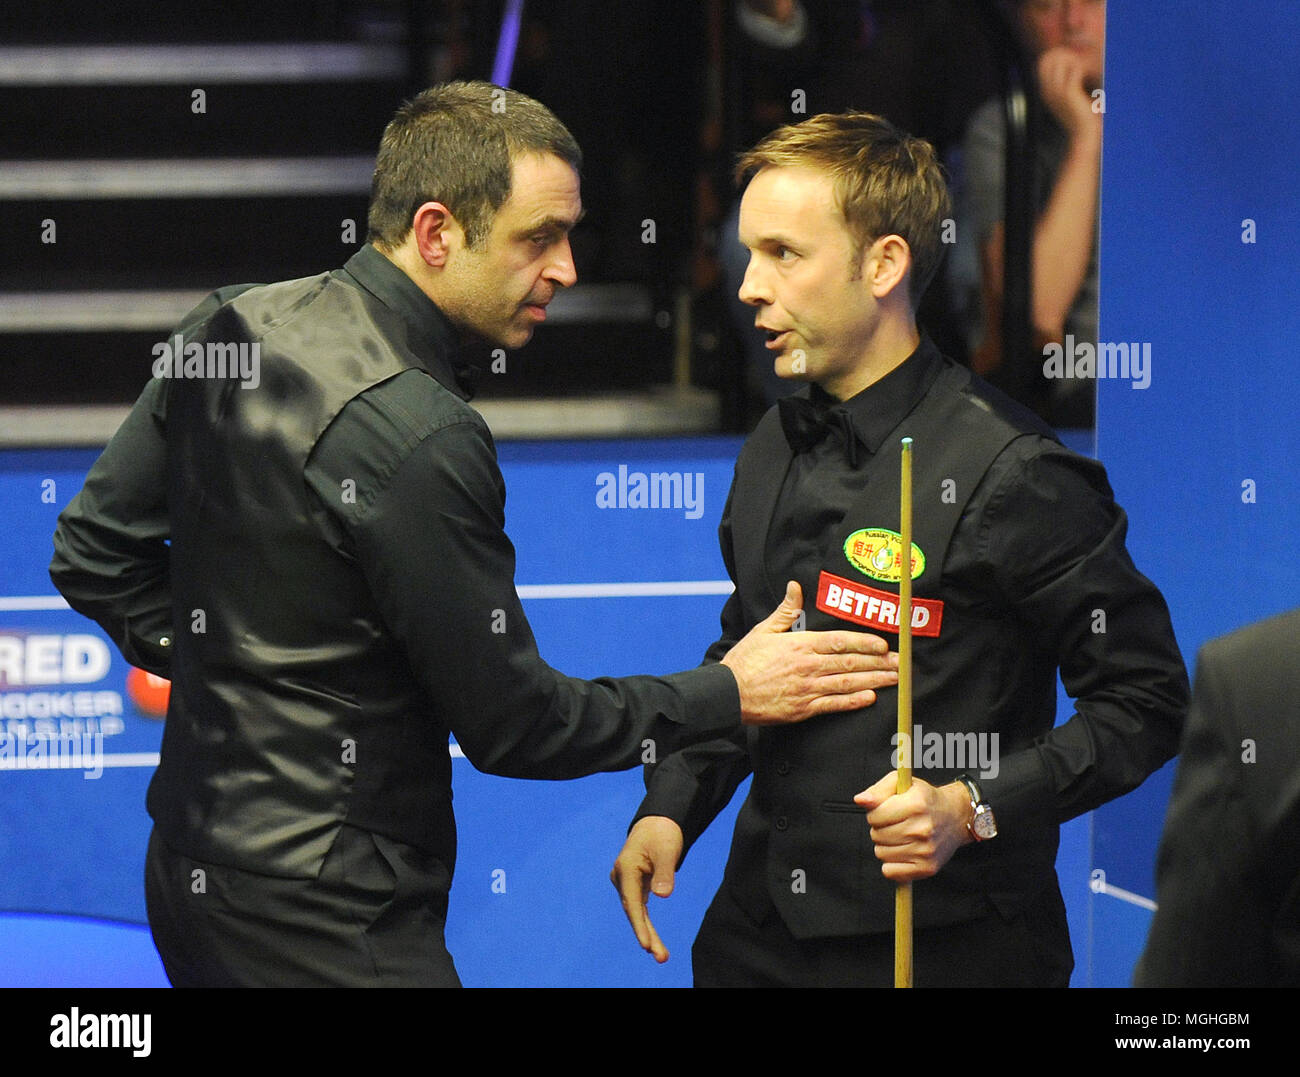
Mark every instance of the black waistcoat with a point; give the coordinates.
(801, 843)
(293, 710)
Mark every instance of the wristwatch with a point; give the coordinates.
(982, 825)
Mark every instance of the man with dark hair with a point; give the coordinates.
(316, 558)
(459, 140)
(1019, 569)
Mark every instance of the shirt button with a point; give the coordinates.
(782, 823)
(783, 768)
(164, 641)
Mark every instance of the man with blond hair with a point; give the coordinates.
(1019, 568)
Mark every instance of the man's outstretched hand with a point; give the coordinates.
(787, 676)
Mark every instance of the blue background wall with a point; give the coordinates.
(1200, 136)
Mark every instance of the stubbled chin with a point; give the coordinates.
(519, 337)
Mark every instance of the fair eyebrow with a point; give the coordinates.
(776, 239)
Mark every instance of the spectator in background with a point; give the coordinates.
(1068, 39)
(1228, 873)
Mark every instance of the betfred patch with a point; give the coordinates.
(878, 553)
(865, 606)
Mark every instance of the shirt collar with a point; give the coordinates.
(883, 404)
(433, 338)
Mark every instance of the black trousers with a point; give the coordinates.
(374, 917)
(1031, 949)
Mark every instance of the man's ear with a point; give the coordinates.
(887, 264)
(436, 233)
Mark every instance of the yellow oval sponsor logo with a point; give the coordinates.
(878, 553)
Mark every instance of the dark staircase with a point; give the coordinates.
(151, 153)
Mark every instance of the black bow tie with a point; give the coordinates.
(806, 424)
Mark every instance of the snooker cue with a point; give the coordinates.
(903, 895)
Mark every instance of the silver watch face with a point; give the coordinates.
(984, 825)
